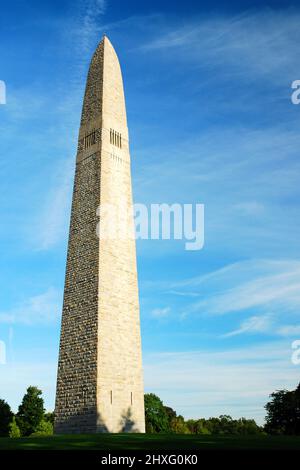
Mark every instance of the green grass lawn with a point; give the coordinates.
(115, 442)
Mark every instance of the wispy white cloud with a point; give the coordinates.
(265, 324)
(212, 171)
(39, 309)
(289, 330)
(253, 208)
(82, 35)
(50, 225)
(161, 312)
(270, 284)
(265, 293)
(255, 324)
(44, 222)
(259, 44)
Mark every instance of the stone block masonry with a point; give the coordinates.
(100, 380)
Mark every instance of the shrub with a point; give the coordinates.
(44, 428)
(14, 430)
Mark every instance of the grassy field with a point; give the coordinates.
(115, 442)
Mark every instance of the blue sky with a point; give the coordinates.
(208, 93)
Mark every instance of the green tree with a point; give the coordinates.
(172, 416)
(214, 426)
(49, 417)
(248, 427)
(228, 425)
(31, 411)
(283, 412)
(157, 420)
(5, 418)
(197, 426)
(179, 426)
(170, 413)
(44, 428)
(223, 425)
(14, 430)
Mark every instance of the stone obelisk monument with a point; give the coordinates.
(100, 380)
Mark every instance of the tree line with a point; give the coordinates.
(163, 419)
(283, 417)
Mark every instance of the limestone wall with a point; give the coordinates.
(100, 380)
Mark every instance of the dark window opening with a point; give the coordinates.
(115, 138)
(90, 139)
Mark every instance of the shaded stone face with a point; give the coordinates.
(100, 383)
